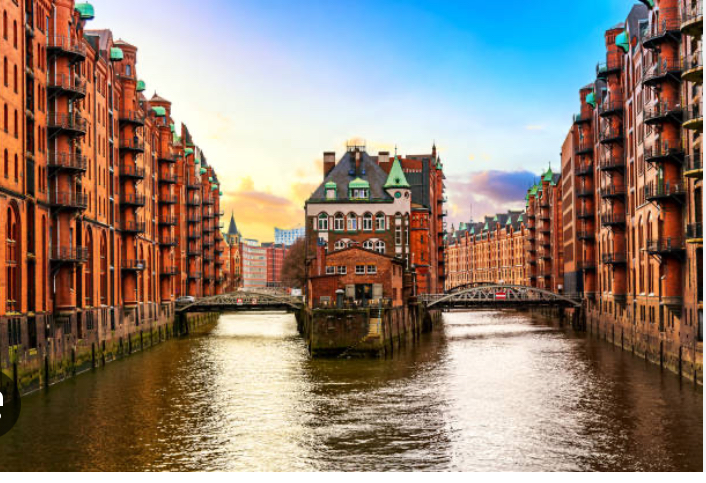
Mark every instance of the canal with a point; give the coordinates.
(487, 391)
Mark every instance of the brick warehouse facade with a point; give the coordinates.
(110, 212)
(636, 177)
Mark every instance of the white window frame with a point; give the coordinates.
(322, 222)
(351, 222)
(380, 222)
(369, 245)
(360, 269)
(342, 270)
(368, 222)
(372, 269)
(339, 222)
(330, 270)
(380, 246)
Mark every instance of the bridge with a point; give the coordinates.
(497, 296)
(243, 301)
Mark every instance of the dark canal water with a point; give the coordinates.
(487, 391)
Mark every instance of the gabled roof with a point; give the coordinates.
(345, 171)
(232, 227)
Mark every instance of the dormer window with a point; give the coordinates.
(358, 189)
(359, 194)
(330, 190)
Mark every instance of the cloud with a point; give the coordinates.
(534, 127)
(487, 192)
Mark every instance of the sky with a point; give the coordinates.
(266, 87)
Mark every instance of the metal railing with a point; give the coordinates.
(66, 121)
(614, 258)
(60, 42)
(661, 68)
(132, 264)
(68, 83)
(68, 254)
(130, 171)
(612, 191)
(694, 230)
(133, 199)
(76, 162)
(132, 145)
(666, 245)
(664, 189)
(132, 116)
(68, 199)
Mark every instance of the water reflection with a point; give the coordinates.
(487, 391)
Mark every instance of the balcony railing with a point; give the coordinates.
(67, 161)
(133, 226)
(67, 84)
(169, 271)
(694, 166)
(692, 17)
(193, 218)
(613, 219)
(664, 151)
(72, 123)
(586, 265)
(132, 199)
(658, 191)
(194, 275)
(610, 107)
(168, 178)
(208, 200)
(584, 192)
(585, 235)
(168, 241)
(168, 220)
(132, 145)
(132, 117)
(584, 148)
(192, 235)
(585, 213)
(193, 183)
(666, 245)
(694, 117)
(131, 171)
(65, 45)
(168, 158)
(169, 199)
(666, 26)
(613, 191)
(66, 199)
(661, 69)
(694, 232)
(614, 258)
(132, 264)
(663, 111)
(612, 162)
(582, 118)
(610, 135)
(68, 254)
(693, 67)
(584, 169)
(610, 66)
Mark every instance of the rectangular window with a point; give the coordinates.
(372, 269)
(342, 270)
(360, 269)
(398, 235)
(330, 270)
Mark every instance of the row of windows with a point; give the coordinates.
(350, 222)
(359, 269)
(373, 245)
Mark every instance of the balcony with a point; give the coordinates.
(584, 148)
(586, 265)
(132, 265)
(132, 199)
(665, 191)
(667, 28)
(665, 111)
(614, 258)
(132, 172)
(585, 213)
(664, 151)
(693, 70)
(692, 20)
(193, 183)
(194, 218)
(584, 169)
(208, 258)
(68, 254)
(169, 199)
(133, 227)
(194, 275)
(193, 201)
(63, 84)
(208, 200)
(168, 178)
(610, 135)
(695, 233)
(666, 246)
(611, 66)
(694, 166)
(613, 220)
(193, 251)
(132, 145)
(662, 70)
(168, 220)
(207, 243)
(168, 241)
(582, 118)
(584, 192)
(585, 235)
(75, 163)
(207, 229)
(169, 271)
(131, 117)
(694, 117)
(219, 261)
(613, 191)
(168, 158)
(610, 108)
(65, 199)
(193, 235)
(208, 215)
(64, 123)
(612, 163)
(66, 47)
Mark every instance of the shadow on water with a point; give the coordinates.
(485, 391)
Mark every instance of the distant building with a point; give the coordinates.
(233, 268)
(288, 237)
(275, 253)
(254, 264)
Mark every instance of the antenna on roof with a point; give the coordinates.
(395, 150)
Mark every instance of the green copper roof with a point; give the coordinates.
(649, 3)
(485, 227)
(462, 226)
(171, 127)
(396, 178)
(202, 171)
(159, 111)
(438, 164)
(141, 86)
(330, 185)
(359, 183)
(533, 190)
(214, 187)
(622, 40)
(548, 176)
(210, 179)
(591, 99)
(86, 11)
(116, 53)
(220, 193)
(520, 218)
(473, 230)
(527, 196)
(197, 161)
(189, 151)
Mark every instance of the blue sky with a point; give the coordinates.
(267, 86)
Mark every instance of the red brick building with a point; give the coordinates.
(275, 253)
(93, 186)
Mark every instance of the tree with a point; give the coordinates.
(294, 265)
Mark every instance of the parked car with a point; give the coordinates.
(185, 299)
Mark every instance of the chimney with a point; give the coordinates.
(358, 160)
(383, 157)
(329, 162)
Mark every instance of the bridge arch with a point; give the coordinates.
(512, 293)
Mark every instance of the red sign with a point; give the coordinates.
(500, 295)
(254, 301)
(239, 301)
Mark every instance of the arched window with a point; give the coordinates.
(340, 245)
(380, 222)
(6, 164)
(380, 246)
(369, 244)
(88, 269)
(323, 222)
(4, 73)
(352, 222)
(14, 28)
(338, 222)
(4, 24)
(5, 118)
(17, 126)
(17, 170)
(12, 253)
(368, 222)
(14, 69)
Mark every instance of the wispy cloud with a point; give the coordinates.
(534, 127)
